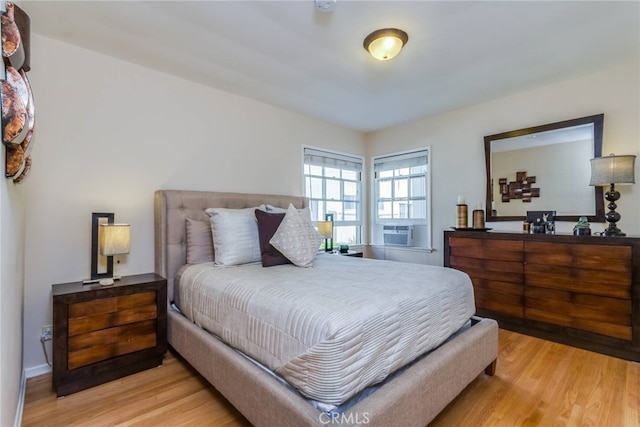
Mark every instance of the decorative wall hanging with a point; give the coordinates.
(18, 110)
(518, 189)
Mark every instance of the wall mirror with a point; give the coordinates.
(544, 168)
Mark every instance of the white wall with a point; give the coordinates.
(12, 285)
(457, 143)
(109, 133)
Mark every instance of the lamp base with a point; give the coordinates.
(613, 231)
(612, 217)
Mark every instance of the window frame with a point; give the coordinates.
(427, 221)
(359, 222)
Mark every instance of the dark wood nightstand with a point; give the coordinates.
(101, 333)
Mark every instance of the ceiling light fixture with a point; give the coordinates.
(386, 43)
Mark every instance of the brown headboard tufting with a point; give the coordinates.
(173, 207)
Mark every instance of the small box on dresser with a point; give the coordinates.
(101, 333)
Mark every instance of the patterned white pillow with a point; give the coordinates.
(296, 238)
(235, 235)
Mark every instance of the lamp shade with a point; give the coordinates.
(114, 239)
(325, 228)
(613, 170)
(386, 43)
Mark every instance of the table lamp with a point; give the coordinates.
(611, 170)
(325, 228)
(107, 240)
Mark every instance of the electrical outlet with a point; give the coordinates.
(46, 333)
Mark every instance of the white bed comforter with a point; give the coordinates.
(333, 329)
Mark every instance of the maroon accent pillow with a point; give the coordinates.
(268, 223)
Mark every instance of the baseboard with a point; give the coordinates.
(27, 373)
(37, 371)
(20, 406)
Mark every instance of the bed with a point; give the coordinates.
(412, 398)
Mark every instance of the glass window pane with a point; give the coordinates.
(306, 169)
(352, 175)
(401, 188)
(350, 211)
(350, 190)
(418, 169)
(384, 210)
(385, 174)
(316, 188)
(333, 189)
(331, 172)
(345, 235)
(317, 210)
(418, 209)
(336, 209)
(322, 209)
(400, 209)
(402, 172)
(384, 189)
(315, 170)
(417, 187)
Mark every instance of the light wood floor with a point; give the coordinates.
(537, 383)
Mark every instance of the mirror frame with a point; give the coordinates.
(598, 123)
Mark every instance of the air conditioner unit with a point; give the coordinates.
(398, 235)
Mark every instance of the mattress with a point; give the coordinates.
(333, 329)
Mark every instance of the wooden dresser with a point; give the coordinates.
(581, 291)
(101, 333)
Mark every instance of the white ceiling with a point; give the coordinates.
(289, 54)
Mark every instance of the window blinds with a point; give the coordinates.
(340, 161)
(406, 160)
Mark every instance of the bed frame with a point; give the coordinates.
(413, 398)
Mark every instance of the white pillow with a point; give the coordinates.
(235, 235)
(296, 238)
(306, 212)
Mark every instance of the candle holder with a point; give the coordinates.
(463, 215)
(478, 218)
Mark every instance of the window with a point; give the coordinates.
(332, 183)
(401, 193)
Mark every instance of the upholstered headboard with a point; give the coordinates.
(173, 207)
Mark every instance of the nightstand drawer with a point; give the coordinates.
(100, 345)
(113, 304)
(107, 312)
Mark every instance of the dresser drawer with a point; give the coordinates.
(584, 269)
(601, 315)
(496, 271)
(500, 250)
(591, 257)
